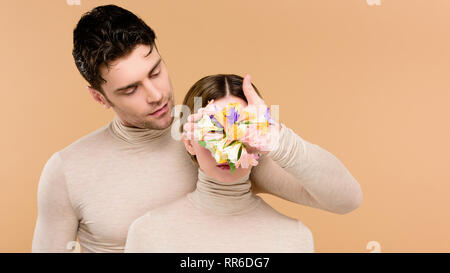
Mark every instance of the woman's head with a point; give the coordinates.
(222, 88)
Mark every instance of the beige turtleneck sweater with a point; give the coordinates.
(96, 187)
(218, 217)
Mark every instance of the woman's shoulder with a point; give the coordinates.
(147, 230)
(293, 228)
(160, 214)
(269, 211)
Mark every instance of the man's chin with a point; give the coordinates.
(159, 124)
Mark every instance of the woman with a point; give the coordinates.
(221, 214)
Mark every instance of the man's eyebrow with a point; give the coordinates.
(135, 83)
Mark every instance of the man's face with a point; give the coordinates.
(138, 85)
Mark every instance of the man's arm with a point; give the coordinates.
(307, 174)
(57, 223)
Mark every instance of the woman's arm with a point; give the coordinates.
(306, 174)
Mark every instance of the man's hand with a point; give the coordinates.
(254, 102)
(189, 126)
(257, 103)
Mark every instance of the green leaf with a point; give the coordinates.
(232, 142)
(203, 143)
(232, 167)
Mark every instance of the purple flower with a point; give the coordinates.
(215, 121)
(267, 115)
(233, 117)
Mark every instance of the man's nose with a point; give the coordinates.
(152, 93)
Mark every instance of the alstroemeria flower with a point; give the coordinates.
(224, 131)
(205, 125)
(247, 159)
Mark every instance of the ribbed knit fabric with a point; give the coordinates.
(218, 217)
(97, 186)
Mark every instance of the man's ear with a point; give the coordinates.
(189, 146)
(98, 97)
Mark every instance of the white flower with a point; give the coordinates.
(232, 152)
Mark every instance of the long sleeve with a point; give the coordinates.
(307, 174)
(57, 222)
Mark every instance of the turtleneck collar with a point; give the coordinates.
(134, 135)
(223, 198)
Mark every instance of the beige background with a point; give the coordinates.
(368, 83)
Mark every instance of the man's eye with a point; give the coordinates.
(131, 91)
(154, 75)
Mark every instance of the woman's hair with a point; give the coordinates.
(215, 87)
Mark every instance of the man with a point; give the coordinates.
(95, 187)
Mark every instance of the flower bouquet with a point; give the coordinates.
(224, 132)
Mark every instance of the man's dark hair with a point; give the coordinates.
(105, 34)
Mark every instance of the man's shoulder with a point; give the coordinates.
(87, 142)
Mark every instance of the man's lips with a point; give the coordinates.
(158, 109)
